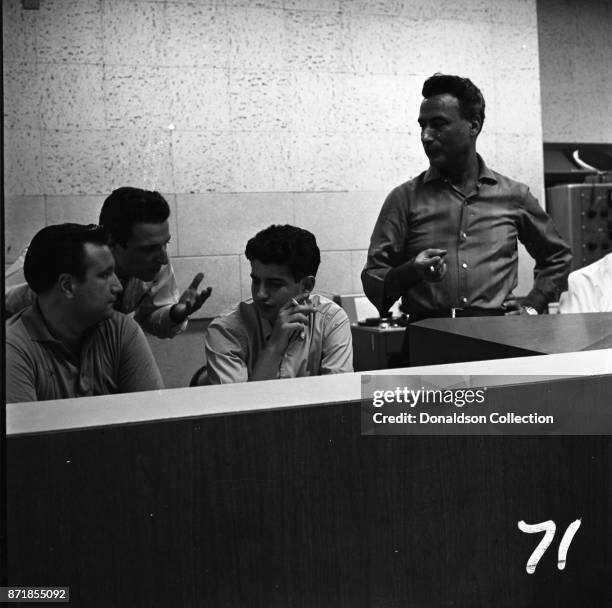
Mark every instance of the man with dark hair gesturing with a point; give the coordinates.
(137, 222)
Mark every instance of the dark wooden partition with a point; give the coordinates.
(294, 508)
(436, 341)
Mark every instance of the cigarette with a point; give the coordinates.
(303, 330)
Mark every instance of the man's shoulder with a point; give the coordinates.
(409, 186)
(233, 329)
(120, 322)
(234, 313)
(508, 184)
(597, 271)
(119, 328)
(16, 330)
(235, 320)
(328, 309)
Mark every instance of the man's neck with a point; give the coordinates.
(464, 177)
(62, 324)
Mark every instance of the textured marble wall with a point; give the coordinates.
(251, 112)
(576, 70)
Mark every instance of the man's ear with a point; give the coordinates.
(66, 284)
(475, 127)
(308, 283)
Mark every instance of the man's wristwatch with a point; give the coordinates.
(530, 310)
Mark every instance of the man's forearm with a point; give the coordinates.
(159, 322)
(400, 279)
(538, 300)
(268, 363)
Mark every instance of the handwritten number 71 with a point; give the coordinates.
(549, 527)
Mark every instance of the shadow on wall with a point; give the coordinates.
(181, 356)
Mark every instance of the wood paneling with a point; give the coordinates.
(295, 508)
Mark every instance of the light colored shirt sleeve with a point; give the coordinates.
(225, 355)
(138, 369)
(580, 295)
(16, 298)
(152, 312)
(17, 294)
(337, 351)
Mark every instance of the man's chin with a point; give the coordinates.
(269, 313)
(437, 160)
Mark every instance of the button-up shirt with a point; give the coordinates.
(235, 341)
(115, 357)
(479, 231)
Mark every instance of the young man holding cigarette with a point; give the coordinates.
(285, 331)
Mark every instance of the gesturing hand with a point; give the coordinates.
(190, 300)
(430, 264)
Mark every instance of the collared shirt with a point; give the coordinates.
(589, 288)
(479, 232)
(115, 358)
(150, 301)
(234, 341)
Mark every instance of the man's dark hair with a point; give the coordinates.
(127, 206)
(288, 246)
(59, 249)
(471, 101)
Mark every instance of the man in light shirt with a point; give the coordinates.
(285, 331)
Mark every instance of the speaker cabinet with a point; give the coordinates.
(582, 214)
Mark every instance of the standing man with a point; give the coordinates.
(446, 241)
(137, 221)
(71, 342)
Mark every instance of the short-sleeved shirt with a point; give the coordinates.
(235, 341)
(115, 358)
(149, 301)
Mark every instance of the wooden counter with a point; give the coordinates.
(266, 494)
(436, 341)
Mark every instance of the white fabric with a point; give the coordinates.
(589, 288)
